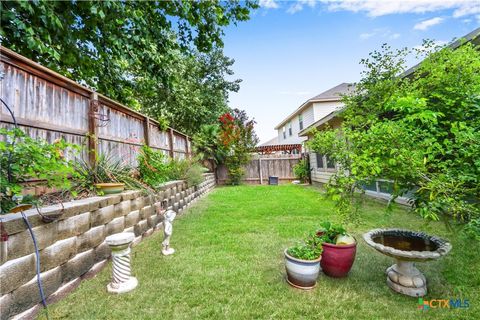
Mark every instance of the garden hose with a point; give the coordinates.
(25, 219)
(37, 256)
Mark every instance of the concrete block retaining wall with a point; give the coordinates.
(73, 247)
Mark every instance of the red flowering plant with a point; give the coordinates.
(238, 137)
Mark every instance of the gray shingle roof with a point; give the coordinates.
(334, 93)
(329, 95)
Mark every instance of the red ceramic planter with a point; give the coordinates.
(337, 260)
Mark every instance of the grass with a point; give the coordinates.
(229, 265)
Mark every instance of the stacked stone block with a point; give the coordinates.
(75, 244)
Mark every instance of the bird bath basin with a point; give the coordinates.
(407, 247)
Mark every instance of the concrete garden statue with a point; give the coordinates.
(169, 217)
(122, 280)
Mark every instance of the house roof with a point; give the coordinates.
(271, 142)
(333, 94)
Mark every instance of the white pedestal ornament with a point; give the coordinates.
(169, 217)
(122, 281)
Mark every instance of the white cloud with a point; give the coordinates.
(379, 32)
(366, 35)
(426, 24)
(268, 4)
(377, 8)
(298, 6)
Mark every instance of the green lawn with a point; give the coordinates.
(229, 265)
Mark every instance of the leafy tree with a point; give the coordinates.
(158, 56)
(238, 137)
(421, 131)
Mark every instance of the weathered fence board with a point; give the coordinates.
(50, 106)
(261, 167)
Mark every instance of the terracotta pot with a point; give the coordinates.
(110, 188)
(337, 260)
(302, 274)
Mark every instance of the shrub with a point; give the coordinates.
(302, 170)
(28, 158)
(106, 169)
(194, 174)
(153, 166)
(177, 168)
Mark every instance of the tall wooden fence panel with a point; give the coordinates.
(261, 167)
(49, 106)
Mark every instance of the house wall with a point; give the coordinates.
(308, 119)
(73, 247)
(322, 109)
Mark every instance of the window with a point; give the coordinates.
(290, 129)
(319, 160)
(300, 121)
(385, 187)
(330, 163)
(284, 133)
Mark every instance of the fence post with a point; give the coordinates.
(187, 151)
(146, 131)
(92, 129)
(170, 136)
(260, 169)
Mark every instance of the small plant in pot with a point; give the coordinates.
(302, 263)
(339, 249)
(108, 175)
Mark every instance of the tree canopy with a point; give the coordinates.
(164, 58)
(420, 131)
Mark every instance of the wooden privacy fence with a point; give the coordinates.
(261, 167)
(49, 106)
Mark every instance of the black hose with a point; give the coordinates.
(9, 174)
(37, 255)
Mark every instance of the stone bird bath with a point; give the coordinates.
(407, 247)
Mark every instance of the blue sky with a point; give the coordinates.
(290, 51)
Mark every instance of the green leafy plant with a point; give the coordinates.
(309, 249)
(29, 158)
(302, 170)
(421, 132)
(153, 166)
(328, 232)
(238, 138)
(194, 174)
(107, 168)
(305, 252)
(177, 168)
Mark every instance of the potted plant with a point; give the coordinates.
(108, 175)
(302, 263)
(339, 249)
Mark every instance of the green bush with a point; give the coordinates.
(177, 168)
(153, 166)
(106, 169)
(302, 170)
(194, 174)
(29, 158)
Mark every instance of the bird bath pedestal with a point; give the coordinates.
(407, 247)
